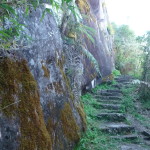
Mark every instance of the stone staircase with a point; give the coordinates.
(114, 122)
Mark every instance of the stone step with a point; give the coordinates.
(126, 83)
(130, 137)
(110, 94)
(146, 135)
(108, 97)
(110, 90)
(124, 77)
(114, 91)
(115, 117)
(110, 101)
(117, 86)
(110, 106)
(117, 128)
(120, 86)
(127, 86)
(123, 80)
(133, 147)
(110, 111)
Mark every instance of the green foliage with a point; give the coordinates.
(116, 73)
(92, 59)
(110, 29)
(101, 87)
(8, 13)
(128, 105)
(146, 104)
(88, 31)
(128, 52)
(145, 90)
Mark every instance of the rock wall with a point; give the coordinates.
(102, 48)
(40, 83)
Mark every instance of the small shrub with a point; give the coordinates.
(116, 72)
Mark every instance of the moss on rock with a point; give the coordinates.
(60, 64)
(83, 6)
(69, 125)
(108, 78)
(46, 71)
(18, 84)
(82, 116)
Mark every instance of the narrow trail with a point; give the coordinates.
(120, 125)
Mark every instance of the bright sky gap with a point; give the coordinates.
(134, 13)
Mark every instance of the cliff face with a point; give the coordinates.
(102, 48)
(40, 82)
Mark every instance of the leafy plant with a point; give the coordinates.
(128, 52)
(88, 31)
(116, 72)
(92, 59)
(110, 29)
(7, 12)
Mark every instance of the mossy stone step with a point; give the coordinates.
(123, 81)
(108, 97)
(118, 86)
(133, 147)
(111, 91)
(110, 111)
(115, 117)
(110, 106)
(146, 135)
(110, 101)
(117, 128)
(127, 83)
(130, 137)
(110, 94)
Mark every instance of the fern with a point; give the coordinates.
(8, 11)
(91, 58)
(87, 31)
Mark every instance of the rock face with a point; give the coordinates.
(40, 85)
(101, 49)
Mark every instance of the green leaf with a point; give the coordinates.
(51, 2)
(26, 10)
(68, 1)
(3, 33)
(92, 30)
(8, 8)
(88, 35)
(91, 58)
(47, 10)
